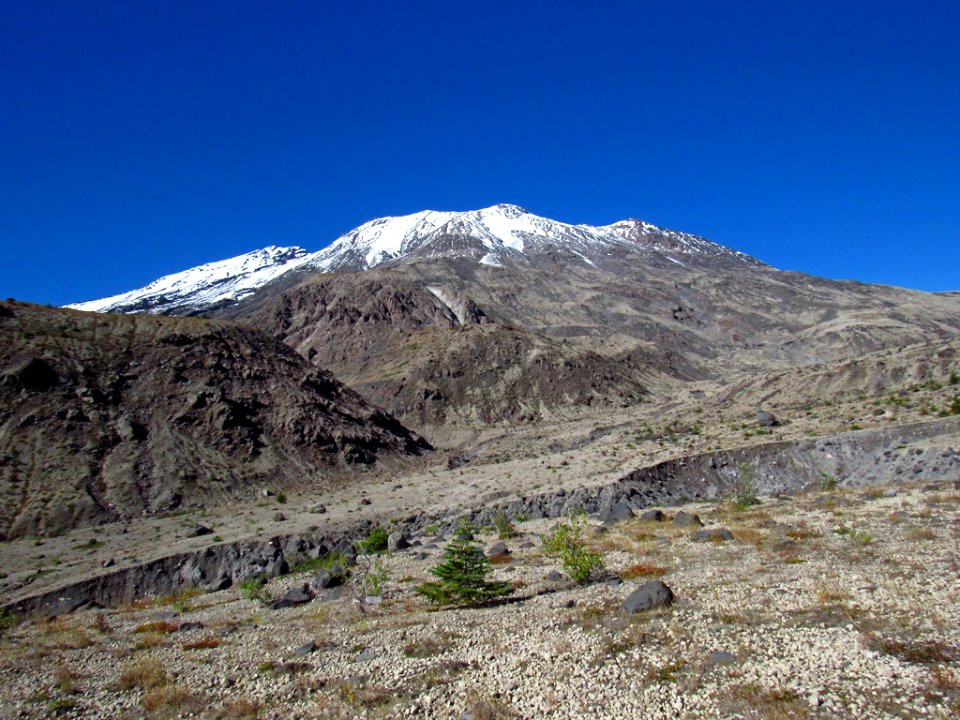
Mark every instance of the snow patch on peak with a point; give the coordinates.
(205, 285)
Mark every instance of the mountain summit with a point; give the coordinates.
(491, 237)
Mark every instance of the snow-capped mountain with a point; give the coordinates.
(495, 233)
(205, 286)
(491, 236)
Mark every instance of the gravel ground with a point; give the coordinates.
(843, 603)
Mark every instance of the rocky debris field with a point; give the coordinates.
(839, 602)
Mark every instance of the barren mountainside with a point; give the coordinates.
(105, 417)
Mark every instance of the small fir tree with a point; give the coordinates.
(462, 575)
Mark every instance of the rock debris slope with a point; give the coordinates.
(105, 417)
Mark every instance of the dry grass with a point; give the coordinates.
(484, 707)
(159, 627)
(64, 635)
(921, 652)
(239, 709)
(642, 570)
(921, 534)
(751, 702)
(205, 643)
(146, 674)
(170, 701)
(427, 646)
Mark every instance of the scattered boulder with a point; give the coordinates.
(277, 568)
(306, 648)
(685, 519)
(721, 657)
(293, 597)
(890, 492)
(498, 550)
(331, 577)
(712, 535)
(279, 517)
(397, 541)
(109, 562)
(650, 595)
(553, 576)
(221, 582)
(200, 530)
(190, 625)
(653, 516)
(766, 419)
(365, 501)
(319, 509)
(616, 512)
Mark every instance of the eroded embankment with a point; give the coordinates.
(919, 451)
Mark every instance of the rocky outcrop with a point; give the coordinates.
(105, 417)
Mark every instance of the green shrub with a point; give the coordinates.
(745, 488)
(462, 575)
(253, 589)
(564, 541)
(374, 580)
(375, 542)
(281, 497)
(7, 620)
(504, 526)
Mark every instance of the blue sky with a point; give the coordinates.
(143, 138)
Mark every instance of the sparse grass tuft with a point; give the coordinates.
(921, 652)
(642, 570)
(204, 643)
(159, 627)
(426, 647)
(146, 674)
(171, 701)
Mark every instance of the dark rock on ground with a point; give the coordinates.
(331, 577)
(648, 596)
(498, 550)
(188, 626)
(712, 535)
(721, 657)
(685, 519)
(653, 516)
(397, 541)
(766, 419)
(306, 648)
(200, 530)
(293, 597)
(616, 512)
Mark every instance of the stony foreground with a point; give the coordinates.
(835, 603)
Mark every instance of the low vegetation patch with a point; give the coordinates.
(565, 542)
(462, 577)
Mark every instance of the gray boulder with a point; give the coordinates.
(648, 596)
(498, 550)
(766, 419)
(721, 657)
(712, 535)
(685, 519)
(331, 577)
(293, 597)
(397, 541)
(653, 516)
(616, 512)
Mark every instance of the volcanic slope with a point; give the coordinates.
(106, 417)
(498, 316)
